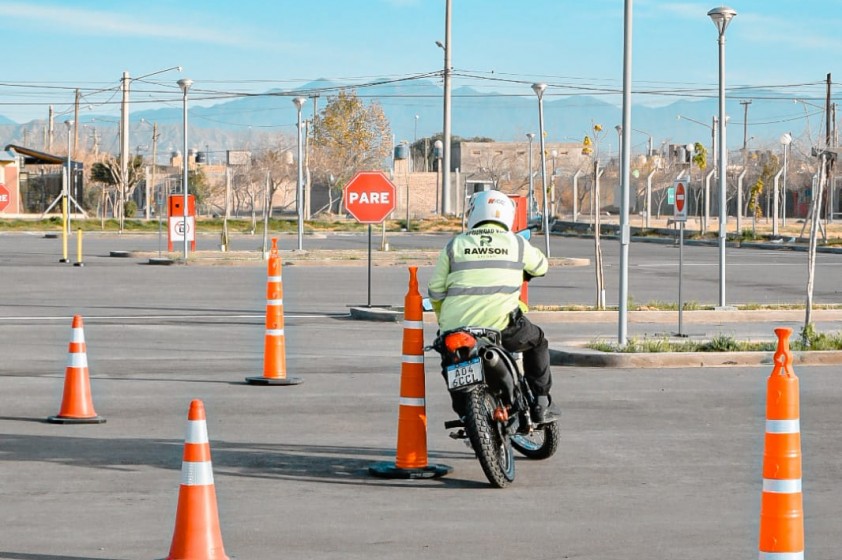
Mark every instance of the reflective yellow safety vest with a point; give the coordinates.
(478, 277)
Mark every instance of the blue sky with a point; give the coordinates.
(53, 47)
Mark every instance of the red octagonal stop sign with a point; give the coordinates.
(5, 196)
(680, 195)
(370, 197)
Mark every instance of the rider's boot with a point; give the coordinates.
(544, 410)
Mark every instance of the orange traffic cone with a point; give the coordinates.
(274, 345)
(196, 535)
(77, 407)
(781, 507)
(411, 457)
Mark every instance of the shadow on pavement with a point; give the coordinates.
(314, 463)
(25, 556)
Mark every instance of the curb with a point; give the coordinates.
(382, 314)
(595, 358)
(701, 316)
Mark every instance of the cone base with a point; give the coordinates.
(273, 380)
(71, 420)
(390, 470)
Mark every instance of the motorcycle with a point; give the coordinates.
(488, 383)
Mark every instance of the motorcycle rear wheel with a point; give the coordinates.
(492, 446)
(542, 443)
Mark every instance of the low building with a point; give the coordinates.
(37, 181)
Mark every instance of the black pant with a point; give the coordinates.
(524, 336)
(520, 336)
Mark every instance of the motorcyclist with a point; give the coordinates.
(477, 282)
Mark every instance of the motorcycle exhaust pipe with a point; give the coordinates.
(498, 375)
(492, 358)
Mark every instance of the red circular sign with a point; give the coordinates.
(680, 196)
(370, 197)
(5, 196)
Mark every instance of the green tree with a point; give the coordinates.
(754, 198)
(352, 137)
(199, 186)
(700, 156)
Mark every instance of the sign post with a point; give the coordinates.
(680, 215)
(181, 229)
(370, 197)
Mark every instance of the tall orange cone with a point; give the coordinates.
(196, 535)
(411, 456)
(781, 505)
(77, 407)
(274, 343)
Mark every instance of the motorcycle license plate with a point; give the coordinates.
(464, 374)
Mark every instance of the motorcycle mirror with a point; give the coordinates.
(426, 305)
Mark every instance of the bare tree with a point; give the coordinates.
(278, 164)
(352, 137)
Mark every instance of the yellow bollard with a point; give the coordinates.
(64, 258)
(79, 248)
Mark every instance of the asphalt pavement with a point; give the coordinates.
(655, 462)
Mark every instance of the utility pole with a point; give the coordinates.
(315, 97)
(445, 183)
(831, 182)
(150, 189)
(96, 144)
(50, 131)
(745, 103)
(124, 150)
(76, 120)
(307, 183)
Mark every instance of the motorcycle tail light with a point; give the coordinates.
(457, 340)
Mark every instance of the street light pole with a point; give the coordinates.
(299, 103)
(786, 140)
(414, 142)
(531, 136)
(721, 17)
(625, 174)
(445, 183)
(65, 203)
(124, 148)
(185, 84)
(539, 91)
(437, 152)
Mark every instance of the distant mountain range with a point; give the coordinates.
(253, 122)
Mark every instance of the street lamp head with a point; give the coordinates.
(786, 138)
(439, 45)
(721, 17)
(619, 128)
(531, 136)
(438, 145)
(539, 89)
(69, 124)
(184, 84)
(299, 102)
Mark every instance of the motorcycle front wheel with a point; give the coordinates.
(488, 438)
(542, 443)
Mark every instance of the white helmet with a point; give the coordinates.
(491, 206)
